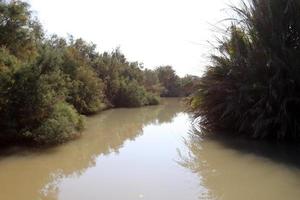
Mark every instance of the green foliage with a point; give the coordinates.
(130, 94)
(112, 68)
(46, 82)
(19, 33)
(63, 124)
(188, 85)
(8, 65)
(253, 85)
(123, 80)
(151, 82)
(152, 99)
(85, 88)
(169, 80)
(86, 92)
(169, 84)
(108, 68)
(30, 95)
(36, 88)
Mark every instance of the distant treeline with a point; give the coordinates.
(252, 87)
(46, 83)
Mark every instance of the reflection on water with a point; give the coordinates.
(106, 158)
(234, 169)
(150, 153)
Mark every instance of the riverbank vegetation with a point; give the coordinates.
(252, 87)
(47, 82)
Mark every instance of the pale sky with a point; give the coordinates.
(154, 32)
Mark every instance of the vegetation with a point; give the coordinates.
(252, 87)
(48, 83)
(164, 82)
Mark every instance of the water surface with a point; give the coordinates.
(149, 153)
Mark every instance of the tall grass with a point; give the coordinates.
(252, 86)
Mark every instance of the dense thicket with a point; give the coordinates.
(164, 81)
(253, 85)
(46, 83)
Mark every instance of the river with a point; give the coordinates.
(150, 153)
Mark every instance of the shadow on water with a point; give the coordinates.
(285, 153)
(106, 133)
(259, 169)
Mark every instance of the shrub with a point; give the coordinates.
(8, 66)
(152, 99)
(19, 31)
(253, 84)
(130, 94)
(32, 95)
(86, 91)
(63, 124)
(169, 80)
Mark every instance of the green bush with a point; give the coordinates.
(130, 94)
(19, 31)
(46, 82)
(8, 66)
(32, 96)
(253, 85)
(152, 99)
(170, 81)
(86, 92)
(86, 89)
(63, 124)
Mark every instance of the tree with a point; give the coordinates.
(85, 88)
(151, 82)
(189, 85)
(169, 80)
(19, 32)
(120, 78)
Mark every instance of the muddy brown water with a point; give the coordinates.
(149, 153)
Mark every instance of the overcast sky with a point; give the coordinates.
(154, 32)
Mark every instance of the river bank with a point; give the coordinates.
(148, 153)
